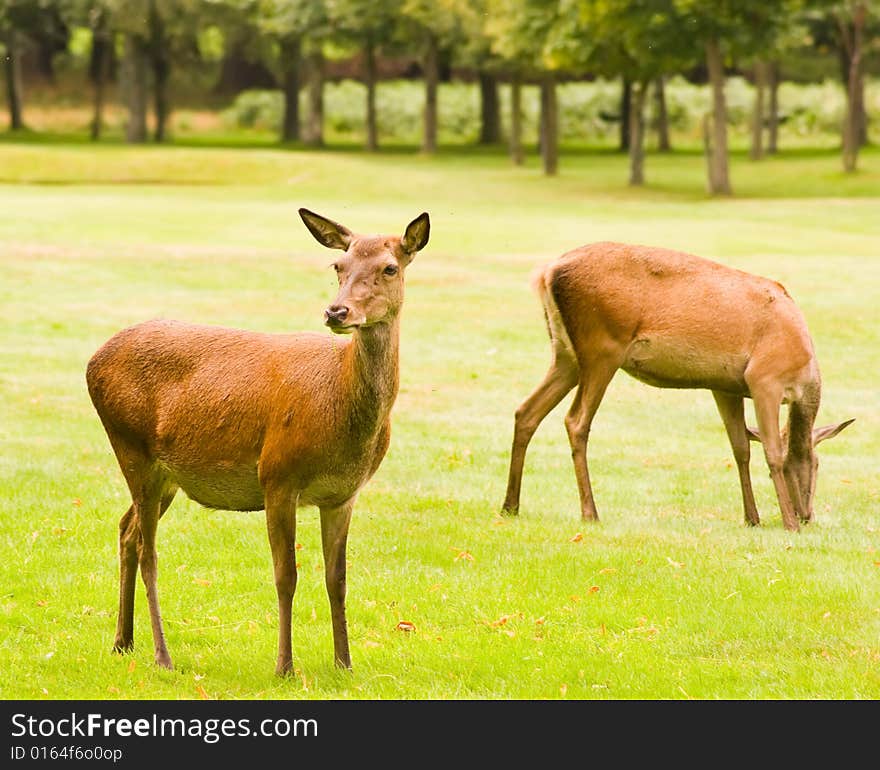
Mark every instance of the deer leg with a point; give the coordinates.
(594, 381)
(129, 539)
(334, 536)
(732, 413)
(767, 413)
(558, 381)
(281, 526)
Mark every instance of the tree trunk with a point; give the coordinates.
(773, 108)
(315, 120)
(13, 80)
(861, 112)
(370, 82)
(625, 100)
(549, 125)
(756, 151)
(134, 77)
(490, 110)
(516, 146)
(637, 134)
(432, 76)
(290, 59)
(161, 62)
(99, 66)
(663, 143)
(719, 180)
(852, 40)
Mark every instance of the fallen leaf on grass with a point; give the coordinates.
(463, 555)
(132, 665)
(577, 538)
(202, 693)
(676, 564)
(405, 625)
(607, 570)
(201, 581)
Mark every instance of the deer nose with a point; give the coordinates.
(335, 315)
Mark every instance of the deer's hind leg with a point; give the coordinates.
(596, 374)
(559, 380)
(151, 494)
(129, 543)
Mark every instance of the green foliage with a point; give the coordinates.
(587, 111)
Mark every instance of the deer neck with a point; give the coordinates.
(374, 362)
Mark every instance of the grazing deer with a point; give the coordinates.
(245, 421)
(675, 320)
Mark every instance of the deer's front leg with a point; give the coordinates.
(732, 413)
(334, 536)
(281, 526)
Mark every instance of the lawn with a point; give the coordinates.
(668, 596)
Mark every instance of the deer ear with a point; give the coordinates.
(327, 232)
(416, 236)
(829, 431)
(753, 434)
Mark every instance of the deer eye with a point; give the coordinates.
(390, 270)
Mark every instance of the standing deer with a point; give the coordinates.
(246, 421)
(675, 320)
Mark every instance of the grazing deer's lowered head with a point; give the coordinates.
(801, 464)
(246, 421)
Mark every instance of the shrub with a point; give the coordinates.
(588, 111)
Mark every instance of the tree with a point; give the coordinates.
(299, 28)
(23, 23)
(370, 24)
(12, 44)
(155, 34)
(433, 27)
(97, 17)
(726, 28)
(474, 52)
(849, 22)
(784, 32)
(640, 41)
(541, 39)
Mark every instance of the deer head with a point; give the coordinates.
(801, 462)
(370, 270)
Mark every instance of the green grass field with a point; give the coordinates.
(669, 596)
